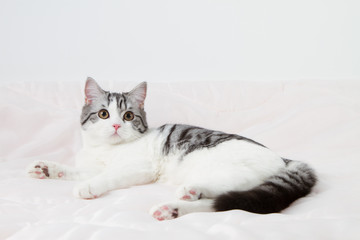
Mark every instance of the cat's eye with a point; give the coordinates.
(129, 116)
(104, 114)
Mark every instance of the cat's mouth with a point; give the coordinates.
(115, 138)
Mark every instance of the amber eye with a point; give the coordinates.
(104, 114)
(128, 116)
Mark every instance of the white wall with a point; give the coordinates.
(159, 40)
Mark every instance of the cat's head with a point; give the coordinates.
(113, 118)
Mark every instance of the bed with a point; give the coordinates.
(317, 122)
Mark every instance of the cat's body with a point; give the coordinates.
(215, 171)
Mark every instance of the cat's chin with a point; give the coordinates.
(115, 139)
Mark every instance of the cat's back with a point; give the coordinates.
(187, 138)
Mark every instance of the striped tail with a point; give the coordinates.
(275, 194)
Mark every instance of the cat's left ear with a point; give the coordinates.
(92, 91)
(138, 94)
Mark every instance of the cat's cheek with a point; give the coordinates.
(103, 133)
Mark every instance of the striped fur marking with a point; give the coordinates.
(190, 138)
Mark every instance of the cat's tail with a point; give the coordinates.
(275, 194)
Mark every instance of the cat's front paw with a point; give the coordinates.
(87, 191)
(43, 170)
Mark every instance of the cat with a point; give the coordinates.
(214, 171)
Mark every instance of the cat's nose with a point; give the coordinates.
(116, 126)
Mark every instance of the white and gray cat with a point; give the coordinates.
(214, 171)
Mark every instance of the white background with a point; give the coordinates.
(271, 53)
(185, 40)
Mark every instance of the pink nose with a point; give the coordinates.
(116, 126)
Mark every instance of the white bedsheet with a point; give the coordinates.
(314, 121)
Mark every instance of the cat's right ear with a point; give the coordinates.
(92, 90)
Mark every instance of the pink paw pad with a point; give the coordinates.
(192, 192)
(157, 213)
(60, 174)
(165, 213)
(185, 197)
(190, 195)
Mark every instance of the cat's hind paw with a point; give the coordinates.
(164, 212)
(188, 193)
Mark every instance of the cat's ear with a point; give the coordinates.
(138, 94)
(92, 90)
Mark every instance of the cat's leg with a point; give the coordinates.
(111, 180)
(171, 210)
(198, 185)
(53, 170)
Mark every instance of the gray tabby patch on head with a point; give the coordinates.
(97, 99)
